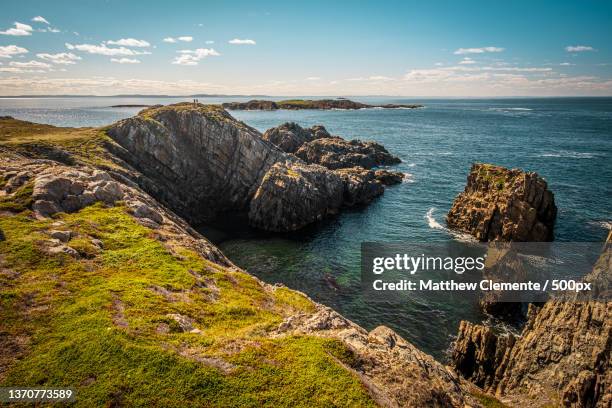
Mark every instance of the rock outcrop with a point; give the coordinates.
(561, 357)
(499, 204)
(290, 136)
(201, 162)
(337, 153)
(317, 146)
(320, 104)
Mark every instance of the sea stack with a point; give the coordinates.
(499, 204)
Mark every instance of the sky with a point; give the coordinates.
(317, 48)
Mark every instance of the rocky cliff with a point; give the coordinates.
(320, 104)
(562, 356)
(499, 204)
(201, 162)
(106, 289)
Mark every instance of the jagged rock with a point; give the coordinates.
(141, 210)
(361, 186)
(478, 351)
(200, 161)
(505, 205)
(396, 373)
(290, 136)
(389, 178)
(337, 153)
(292, 195)
(561, 357)
(66, 190)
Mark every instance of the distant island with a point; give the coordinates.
(321, 104)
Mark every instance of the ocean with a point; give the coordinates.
(568, 141)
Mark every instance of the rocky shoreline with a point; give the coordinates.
(319, 104)
(67, 195)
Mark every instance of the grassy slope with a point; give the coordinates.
(100, 322)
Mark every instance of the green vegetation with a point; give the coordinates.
(494, 175)
(103, 323)
(67, 145)
(488, 401)
(20, 200)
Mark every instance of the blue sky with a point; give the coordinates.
(408, 48)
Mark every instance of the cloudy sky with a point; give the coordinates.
(407, 48)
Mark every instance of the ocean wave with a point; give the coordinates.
(408, 178)
(434, 224)
(412, 165)
(568, 154)
(607, 225)
(511, 109)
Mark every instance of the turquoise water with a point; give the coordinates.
(568, 141)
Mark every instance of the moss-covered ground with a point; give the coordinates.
(101, 322)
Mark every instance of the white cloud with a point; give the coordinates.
(29, 64)
(184, 38)
(210, 42)
(193, 57)
(40, 19)
(53, 30)
(62, 58)
(8, 51)
(482, 50)
(380, 78)
(313, 78)
(238, 41)
(19, 30)
(438, 64)
(102, 49)
(566, 64)
(467, 61)
(125, 60)
(579, 48)
(129, 42)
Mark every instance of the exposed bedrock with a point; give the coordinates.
(562, 356)
(317, 146)
(499, 204)
(201, 162)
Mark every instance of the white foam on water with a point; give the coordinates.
(568, 154)
(412, 165)
(434, 224)
(408, 178)
(431, 221)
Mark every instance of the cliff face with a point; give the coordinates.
(505, 205)
(107, 288)
(561, 357)
(201, 162)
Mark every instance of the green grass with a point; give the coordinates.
(489, 401)
(95, 323)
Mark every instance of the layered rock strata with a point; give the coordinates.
(499, 204)
(201, 162)
(562, 356)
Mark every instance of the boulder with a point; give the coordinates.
(499, 204)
